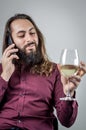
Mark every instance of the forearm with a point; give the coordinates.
(67, 112)
(5, 76)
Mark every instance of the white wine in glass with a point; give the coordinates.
(69, 61)
(68, 70)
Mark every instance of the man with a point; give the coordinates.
(30, 84)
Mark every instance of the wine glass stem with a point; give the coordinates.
(68, 91)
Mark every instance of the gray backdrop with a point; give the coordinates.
(63, 23)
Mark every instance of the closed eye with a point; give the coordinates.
(21, 36)
(32, 33)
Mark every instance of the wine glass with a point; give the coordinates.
(69, 61)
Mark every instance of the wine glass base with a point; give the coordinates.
(68, 99)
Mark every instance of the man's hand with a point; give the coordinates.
(7, 66)
(72, 82)
(82, 69)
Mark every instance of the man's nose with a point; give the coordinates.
(28, 38)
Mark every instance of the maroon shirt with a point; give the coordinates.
(27, 101)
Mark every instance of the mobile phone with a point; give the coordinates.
(10, 41)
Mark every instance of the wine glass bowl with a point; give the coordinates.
(69, 61)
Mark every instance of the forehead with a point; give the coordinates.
(19, 24)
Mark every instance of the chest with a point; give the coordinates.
(32, 85)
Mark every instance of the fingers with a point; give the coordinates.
(8, 48)
(75, 80)
(10, 53)
(13, 56)
(82, 69)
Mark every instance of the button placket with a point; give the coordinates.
(21, 102)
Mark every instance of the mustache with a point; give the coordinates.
(29, 44)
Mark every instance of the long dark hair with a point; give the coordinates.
(46, 66)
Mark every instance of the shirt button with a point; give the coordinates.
(19, 121)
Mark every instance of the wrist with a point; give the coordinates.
(68, 90)
(5, 76)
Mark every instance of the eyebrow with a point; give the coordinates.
(31, 28)
(22, 31)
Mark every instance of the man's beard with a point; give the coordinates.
(32, 58)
